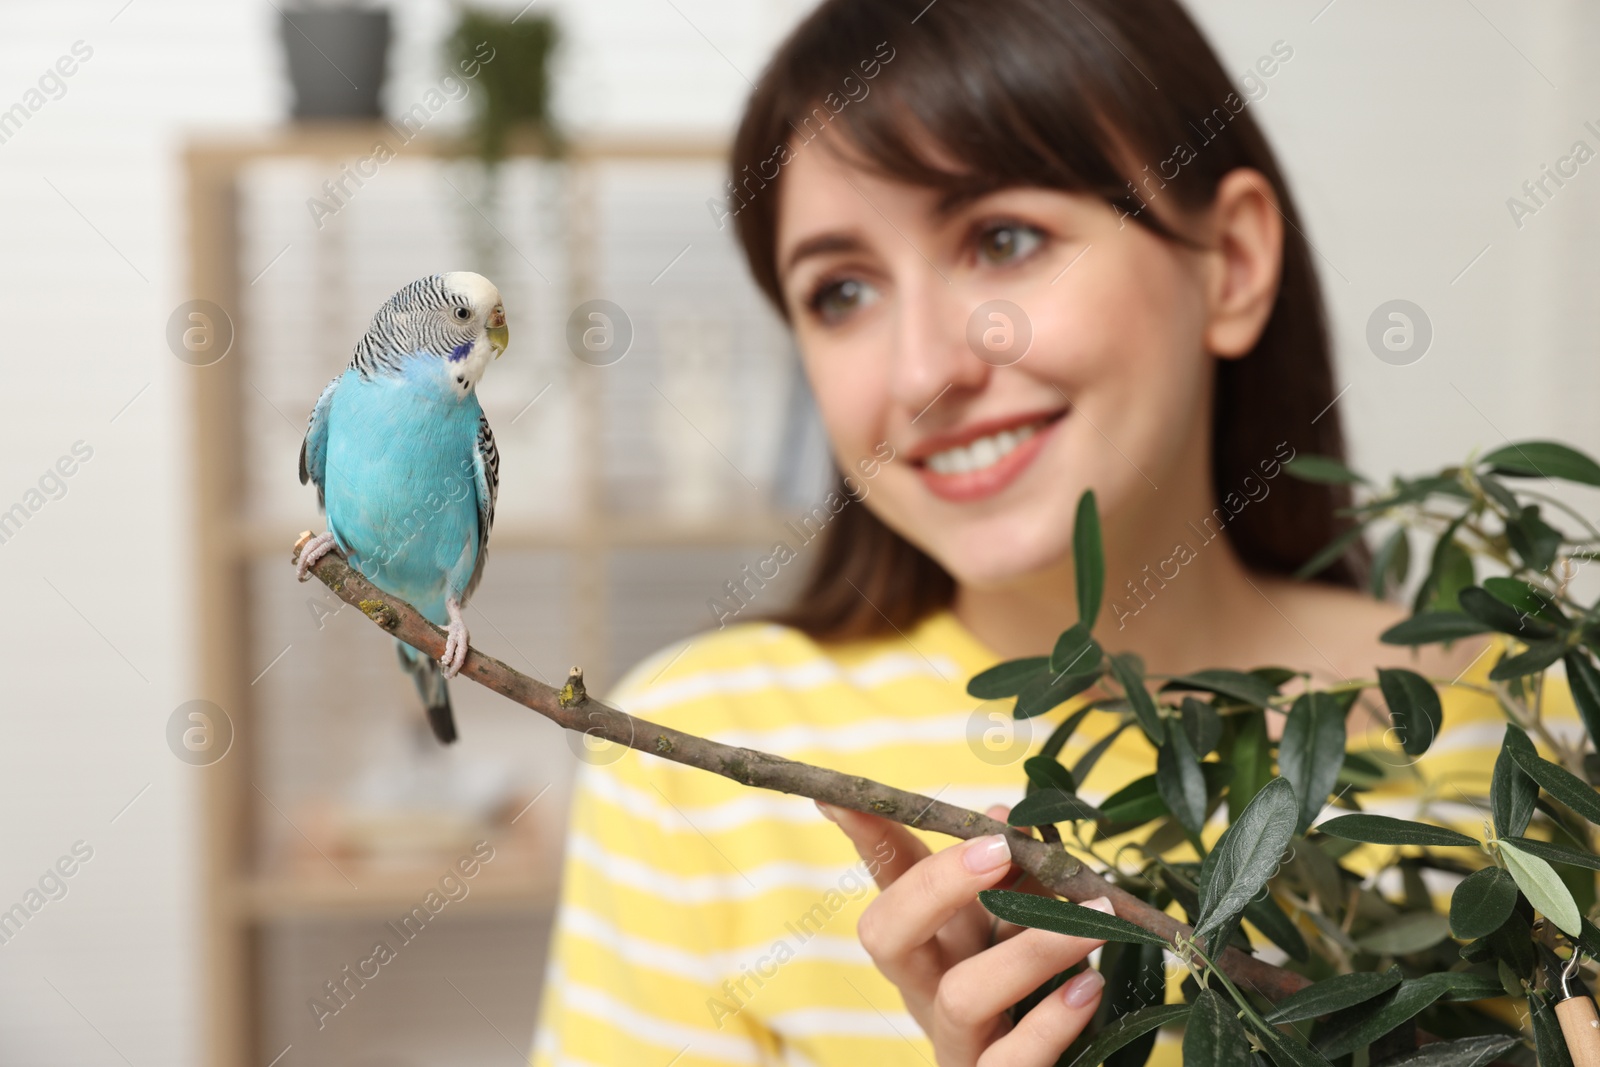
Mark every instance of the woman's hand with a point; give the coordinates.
(958, 968)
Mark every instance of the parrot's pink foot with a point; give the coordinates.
(312, 551)
(455, 641)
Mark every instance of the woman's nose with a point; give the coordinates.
(935, 353)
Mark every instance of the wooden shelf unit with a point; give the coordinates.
(235, 900)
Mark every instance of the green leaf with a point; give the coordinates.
(1432, 626)
(1414, 704)
(1050, 691)
(1251, 759)
(1127, 1028)
(1324, 470)
(1558, 782)
(1311, 751)
(1547, 850)
(1075, 652)
(1286, 1051)
(1543, 459)
(1549, 1044)
(1007, 679)
(1359, 1026)
(1140, 800)
(1246, 855)
(1392, 563)
(1411, 932)
(1462, 1052)
(1449, 572)
(1088, 559)
(1179, 779)
(1525, 598)
(1535, 540)
(1213, 1034)
(1543, 887)
(1134, 980)
(1046, 807)
(1383, 830)
(1203, 725)
(1128, 669)
(1236, 685)
(1536, 657)
(1333, 994)
(1495, 490)
(1584, 681)
(1482, 903)
(1047, 773)
(1512, 794)
(1329, 553)
(1495, 613)
(1063, 917)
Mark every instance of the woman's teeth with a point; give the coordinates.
(982, 453)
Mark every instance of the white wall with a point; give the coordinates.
(1405, 128)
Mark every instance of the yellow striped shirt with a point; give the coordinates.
(706, 923)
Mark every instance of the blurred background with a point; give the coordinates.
(205, 202)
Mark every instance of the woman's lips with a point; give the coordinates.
(976, 485)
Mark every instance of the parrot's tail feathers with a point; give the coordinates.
(443, 722)
(431, 686)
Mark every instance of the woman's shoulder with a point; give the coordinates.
(1340, 630)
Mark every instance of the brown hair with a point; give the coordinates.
(1056, 94)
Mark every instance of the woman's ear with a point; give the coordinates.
(1247, 246)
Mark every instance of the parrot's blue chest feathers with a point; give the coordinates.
(401, 481)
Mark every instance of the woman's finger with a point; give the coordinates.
(977, 991)
(910, 912)
(1054, 1023)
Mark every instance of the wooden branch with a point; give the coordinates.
(572, 708)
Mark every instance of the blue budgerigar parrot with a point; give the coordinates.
(405, 465)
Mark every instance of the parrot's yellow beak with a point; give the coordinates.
(499, 335)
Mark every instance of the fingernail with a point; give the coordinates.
(1100, 904)
(1082, 989)
(984, 854)
(827, 811)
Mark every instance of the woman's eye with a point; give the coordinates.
(1008, 243)
(834, 300)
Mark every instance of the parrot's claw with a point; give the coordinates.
(312, 551)
(455, 641)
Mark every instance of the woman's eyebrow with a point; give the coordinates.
(822, 244)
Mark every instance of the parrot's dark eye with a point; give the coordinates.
(463, 314)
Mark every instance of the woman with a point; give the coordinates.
(1027, 248)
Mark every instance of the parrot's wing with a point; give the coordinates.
(314, 449)
(486, 464)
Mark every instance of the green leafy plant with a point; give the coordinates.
(1379, 966)
(514, 86)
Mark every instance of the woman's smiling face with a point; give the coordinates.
(890, 293)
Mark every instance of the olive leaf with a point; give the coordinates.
(1414, 704)
(1543, 887)
(1063, 917)
(1482, 903)
(1213, 1034)
(1246, 855)
(1311, 751)
(1543, 459)
(1385, 830)
(1334, 994)
(1180, 780)
(1088, 559)
(1557, 781)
